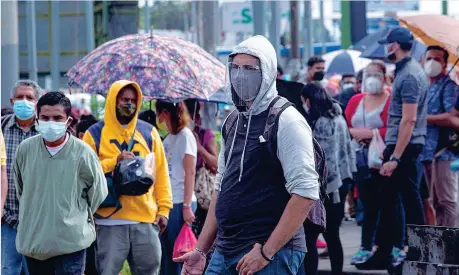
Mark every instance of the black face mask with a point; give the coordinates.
(392, 57)
(318, 76)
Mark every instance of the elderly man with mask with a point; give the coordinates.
(16, 128)
(266, 183)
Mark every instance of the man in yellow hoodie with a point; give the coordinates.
(132, 232)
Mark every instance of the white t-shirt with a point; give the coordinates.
(176, 147)
(54, 150)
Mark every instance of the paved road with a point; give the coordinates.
(350, 238)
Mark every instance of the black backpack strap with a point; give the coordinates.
(117, 208)
(276, 108)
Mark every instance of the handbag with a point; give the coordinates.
(204, 187)
(375, 150)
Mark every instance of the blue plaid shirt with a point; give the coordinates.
(13, 136)
(434, 107)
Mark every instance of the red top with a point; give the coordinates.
(352, 108)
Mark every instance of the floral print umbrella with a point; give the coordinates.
(166, 68)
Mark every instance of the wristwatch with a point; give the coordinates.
(397, 160)
(186, 205)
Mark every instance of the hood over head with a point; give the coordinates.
(258, 46)
(110, 117)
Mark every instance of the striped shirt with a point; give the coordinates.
(13, 136)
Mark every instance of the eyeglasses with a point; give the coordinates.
(233, 66)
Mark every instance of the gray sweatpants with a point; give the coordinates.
(138, 243)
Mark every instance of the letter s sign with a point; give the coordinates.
(246, 16)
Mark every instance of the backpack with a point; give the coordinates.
(277, 106)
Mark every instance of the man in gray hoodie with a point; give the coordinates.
(261, 197)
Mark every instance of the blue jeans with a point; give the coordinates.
(287, 261)
(13, 263)
(174, 225)
(68, 264)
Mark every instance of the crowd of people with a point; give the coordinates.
(280, 178)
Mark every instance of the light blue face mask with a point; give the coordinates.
(52, 130)
(24, 109)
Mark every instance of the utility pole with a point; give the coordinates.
(147, 17)
(274, 26)
(194, 21)
(31, 40)
(322, 26)
(345, 24)
(308, 50)
(358, 21)
(90, 41)
(444, 7)
(294, 48)
(10, 49)
(200, 16)
(55, 47)
(209, 44)
(259, 23)
(294, 64)
(210, 41)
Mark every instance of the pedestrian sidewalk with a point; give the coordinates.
(350, 238)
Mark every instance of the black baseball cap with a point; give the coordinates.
(399, 35)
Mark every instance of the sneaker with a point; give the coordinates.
(398, 256)
(321, 244)
(361, 256)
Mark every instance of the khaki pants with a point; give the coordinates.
(137, 243)
(443, 191)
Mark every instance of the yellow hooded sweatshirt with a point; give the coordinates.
(109, 138)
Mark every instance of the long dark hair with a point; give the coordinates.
(321, 103)
(179, 114)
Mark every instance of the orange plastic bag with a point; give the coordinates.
(185, 242)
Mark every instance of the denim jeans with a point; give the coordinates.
(13, 263)
(69, 264)
(286, 262)
(403, 182)
(174, 225)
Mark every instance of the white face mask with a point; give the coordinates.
(373, 85)
(432, 68)
(52, 130)
(347, 86)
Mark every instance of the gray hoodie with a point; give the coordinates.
(294, 136)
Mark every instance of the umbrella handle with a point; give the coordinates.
(452, 67)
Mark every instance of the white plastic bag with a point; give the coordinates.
(375, 150)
